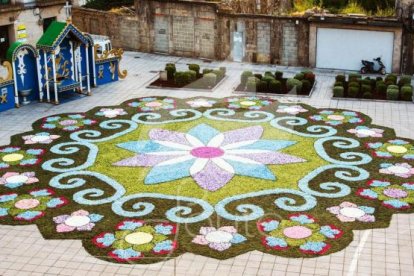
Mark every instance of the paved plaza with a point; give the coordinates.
(387, 251)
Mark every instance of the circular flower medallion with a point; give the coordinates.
(299, 231)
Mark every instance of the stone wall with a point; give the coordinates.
(122, 30)
(202, 30)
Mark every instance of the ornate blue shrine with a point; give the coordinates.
(64, 61)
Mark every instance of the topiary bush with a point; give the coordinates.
(268, 78)
(262, 86)
(366, 81)
(340, 78)
(259, 76)
(306, 85)
(170, 68)
(192, 75)
(338, 91)
(338, 83)
(220, 74)
(182, 78)
(367, 95)
(195, 68)
(381, 87)
(391, 79)
(407, 93)
(209, 80)
(392, 94)
(279, 75)
(244, 76)
(294, 83)
(251, 84)
(404, 80)
(299, 76)
(206, 71)
(354, 77)
(275, 86)
(353, 92)
(310, 76)
(354, 84)
(269, 74)
(366, 89)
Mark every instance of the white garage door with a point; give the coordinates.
(344, 49)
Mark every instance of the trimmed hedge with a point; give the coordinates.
(338, 91)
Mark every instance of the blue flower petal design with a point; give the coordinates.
(3, 212)
(146, 146)
(176, 171)
(273, 242)
(237, 238)
(302, 219)
(367, 209)
(166, 245)
(95, 217)
(163, 229)
(130, 225)
(54, 202)
(9, 197)
(42, 192)
(313, 246)
(28, 215)
(273, 145)
(204, 133)
(270, 225)
(328, 232)
(126, 253)
(107, 240)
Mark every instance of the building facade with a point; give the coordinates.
(26, 20)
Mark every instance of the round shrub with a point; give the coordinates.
(262, 86)
(392, 87)
(366, 88)
(366, 81)
(195, 68)
(192, 75)
(244, 76)
(251, 84)
(259, 76)
(379, 79)
(209, 80)
(367, 95)
(392, 94)
(219, 74)
(404, 80)
(310, 76)
(299, 76)
(338, 83)
(269, 74)
(206, 71)
(381, 87)
(275, 86)
(268, 79)
(338, 91)
(407, 93)
(306, 85)
(391, 79)
(279, 75)
(182, 78)
(354, 77)
(354, 84)
(294, 83)
(340, 78)
(170, 68)
(353, 92)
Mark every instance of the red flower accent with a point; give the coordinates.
(97, 243)
(264, 242)
(30, 220)
(118, 226)
(163, 252)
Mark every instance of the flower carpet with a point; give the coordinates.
(154, 178)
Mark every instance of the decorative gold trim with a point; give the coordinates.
(9, 72)
(114, 53)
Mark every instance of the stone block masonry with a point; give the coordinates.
(201, 29)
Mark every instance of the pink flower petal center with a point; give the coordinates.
(207, 152)
(26, 204)
(297, 232)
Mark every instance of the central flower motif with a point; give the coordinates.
(210, 157)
